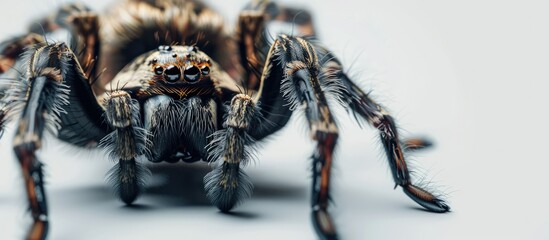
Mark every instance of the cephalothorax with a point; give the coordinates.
(189, 91)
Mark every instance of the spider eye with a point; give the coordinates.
(205, 70)
(164, 48)
(172, 73)
(158, 70)
(192, 74)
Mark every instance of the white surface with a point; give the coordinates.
(472, 75)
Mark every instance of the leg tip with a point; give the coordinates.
(413, 144)
(323, 224)
(442, 207)
(128, 202)
(38, 230)
(226, 208)
(227, 188)
(426, 199)
(128, 195)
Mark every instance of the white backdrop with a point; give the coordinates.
(472, 75)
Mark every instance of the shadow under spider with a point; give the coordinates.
(181, 185)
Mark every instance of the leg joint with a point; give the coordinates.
(25, 153)
(118, 109)
(385, 124)
(241, 112)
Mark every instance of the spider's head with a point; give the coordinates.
(175, 71)
(179, 64)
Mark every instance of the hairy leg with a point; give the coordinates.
(40, 96)
(125, 144)
(80, 21)
(253, 42)
(412, 144)
(381, 120)
(352, 97)
(46, 77)
(290, 81)
(227, 185)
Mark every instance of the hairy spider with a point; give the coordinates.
(163, 80)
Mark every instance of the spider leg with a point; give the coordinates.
(274, 11)
(352, 97)
(301, 85)
(11, 50)
(51, 94)
(125, 144)
(380, 119)
(3, 119)
(249, 33)
(227, 185)
(412, 144)
(290, 80)
(83, 25)
(40, 96)
(252, 40)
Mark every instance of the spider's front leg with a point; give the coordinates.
(228, 184)
(125, 144)
(290, 80)
(298, 61)
(41, 95)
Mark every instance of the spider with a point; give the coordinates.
(164, 81)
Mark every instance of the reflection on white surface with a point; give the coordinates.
(469, 74)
